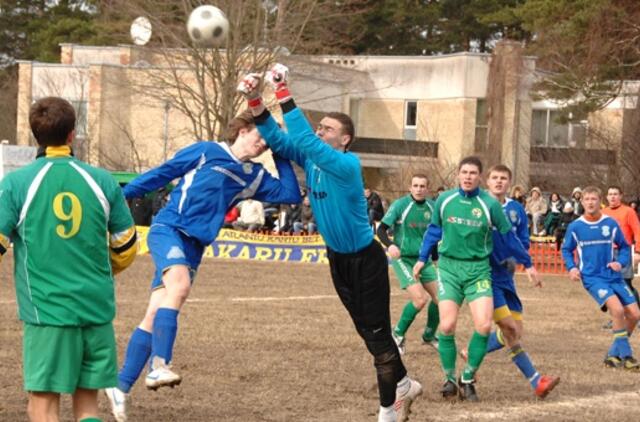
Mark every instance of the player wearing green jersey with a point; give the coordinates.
(409, 217)
(463, 220)
(71, 231)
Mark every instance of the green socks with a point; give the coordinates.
(477, 351)
(408, 315)
(433, 320)
(448, 355)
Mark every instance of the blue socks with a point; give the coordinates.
(496, 342)
(165, 327)
(136, 357)
(620, 347)
(524, 364)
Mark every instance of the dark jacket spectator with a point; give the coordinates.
(564, 220)
(306, 222)
(374, 206)
(518, 194)
(555, 207)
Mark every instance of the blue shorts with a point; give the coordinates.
(506, 301)
(601, 290)
(170, 247)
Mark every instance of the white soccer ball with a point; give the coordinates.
(207, 26)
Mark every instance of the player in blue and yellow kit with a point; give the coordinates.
(507, 251)
(214, 177)
(596, 236)
(358, 264)
(71, 231)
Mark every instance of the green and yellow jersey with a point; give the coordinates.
(409, 220)
(467, 220)
(69, 223)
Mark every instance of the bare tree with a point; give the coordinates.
(201, 83)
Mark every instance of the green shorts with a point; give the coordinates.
(62, 359)
(460, 280)
(403, 267)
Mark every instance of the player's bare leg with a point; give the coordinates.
(85, 404)
(43, 407)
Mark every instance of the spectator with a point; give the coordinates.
(288, 215)
(576, 197)
(374, 206)
(634, 205)
(438, 192)
(555, 209)
(251, 216)
(536, 208)
(141, 211)
(230, 217)
(306, 221)
(518, 195)
(565, 219)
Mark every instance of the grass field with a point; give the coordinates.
(263, 341)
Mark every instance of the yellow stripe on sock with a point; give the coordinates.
(501, 313)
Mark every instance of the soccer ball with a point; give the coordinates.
(207, 26)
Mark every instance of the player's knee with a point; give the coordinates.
(633, 314)
(419, 302)
(616, 312)
(483, 327)
(447, 327)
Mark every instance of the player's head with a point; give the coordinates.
(418, 188)
(469, 173)
(244, 136)
(337, 130)
(52, 121)
(499, 180)
(614, 196)
(591, 199)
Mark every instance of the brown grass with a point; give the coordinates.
(252, 348)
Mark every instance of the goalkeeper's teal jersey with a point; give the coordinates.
(58, 212)
(409, 220)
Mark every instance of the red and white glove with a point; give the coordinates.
(249, 87)
(278, 77)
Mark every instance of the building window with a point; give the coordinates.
(411, 114)
(549, 130)
(482, 126)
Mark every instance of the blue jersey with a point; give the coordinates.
(334, 181)
(212, 181)
(595, 242)
(512, 245)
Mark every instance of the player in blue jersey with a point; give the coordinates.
(595, 236)
(214, 177)
(507, 251)
(358, 264)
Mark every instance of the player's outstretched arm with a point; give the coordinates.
(284, 190)
(342, 166)
(184, 161)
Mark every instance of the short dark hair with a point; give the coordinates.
(420, 176)
(500, 168)
(473, 160)
(243, 120)
(591, 189)
(52, 119)
(618, 188)
(347, 125)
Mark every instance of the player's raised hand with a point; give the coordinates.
(574, 274)
(532, 274)
(416, 270)
(249, 86)
(615, 266)
(278, 77)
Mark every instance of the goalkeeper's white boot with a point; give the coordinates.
(118, 402)
(161, 375)
(407, 392)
